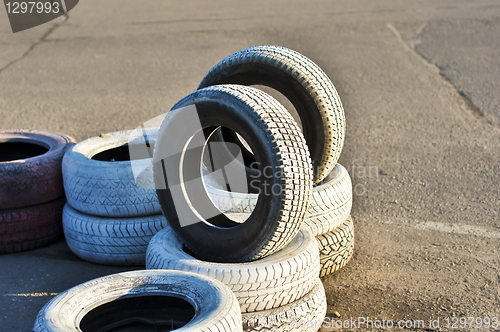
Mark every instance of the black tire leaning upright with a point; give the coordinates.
(306, 86)
(279, 147)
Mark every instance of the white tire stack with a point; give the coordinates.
(277, 290)
(275, 293)
(329, 219)
(110, 219)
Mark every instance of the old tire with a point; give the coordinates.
(330, 205)
(306, 86)
(336, 247)
(30, 164)
(31, 227)
(110, 241)
(143, 299)
(106, 188)
(303, 315)
(331, 202)
(280, 148)
(267, 283)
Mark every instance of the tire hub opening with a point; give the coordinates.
(153, 313)
(122, 153)
(10, 151)
(226, 180)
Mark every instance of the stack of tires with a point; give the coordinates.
(112, 213)
(31, 188)
(329, 219)
(271, 263)
(319, 109)
(215, 271)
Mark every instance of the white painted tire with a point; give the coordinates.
(105, 188)
(303, 315)
(303, 83)
(110, 241)
(330, 205)
(101, 304)
(331, 202)
(267, 283)
(336, 248)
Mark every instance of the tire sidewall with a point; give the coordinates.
(225, 244)
(304, 103)
(210, 298)
(33, 180)
(78, 165)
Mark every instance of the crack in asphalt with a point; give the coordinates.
(32, 46)
(473, 107)
(411, 46)
(467, 101)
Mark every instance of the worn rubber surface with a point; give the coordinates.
(330, 205)
(303, 315)
(110, 241)
(306, 86)
(336, 247)
(106, 188)
(214, 306)
(331, 202)
(28, 177)
(267, 283)
(279, 146)
(31, 227)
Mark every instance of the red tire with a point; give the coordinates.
(30, 167)
(31, 227)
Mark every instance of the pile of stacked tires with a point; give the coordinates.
(31, 188)
(110, 217)
(230, 258)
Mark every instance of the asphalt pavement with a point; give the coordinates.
(419, 82)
